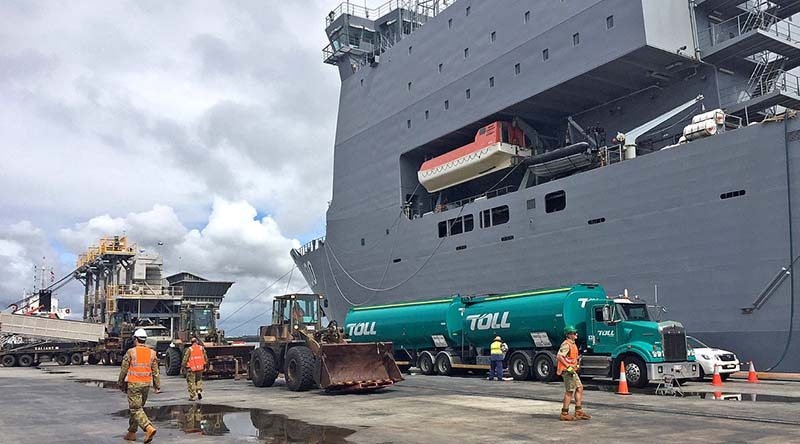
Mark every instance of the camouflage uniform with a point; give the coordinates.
(194, 380)
(137, 393)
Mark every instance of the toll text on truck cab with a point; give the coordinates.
(488, 321)
(361, 329)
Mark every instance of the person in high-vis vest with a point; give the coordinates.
(194, 362)
(138, 372)
(498, 352)
(568, 363)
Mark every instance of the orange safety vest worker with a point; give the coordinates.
(196, 360)
(140, 370)
(571, 358)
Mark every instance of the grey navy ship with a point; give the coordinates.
(490, 146)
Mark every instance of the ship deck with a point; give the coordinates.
(74, 404)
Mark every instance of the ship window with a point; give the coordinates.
(493, 36)
(576, 39)
(363, 242)
(531, 204)
(491, 82)
(486, 218)
(362, 82)
(461, 247)
(456, 226)
(396, 260)
(527, 16)
(466, 52)
(469, 223)
(441, 65)
(609, 22)
(545, 54)
(467, 93)
(555, 201)
(517, 69)
(409, 50)
(506, 238)
(599, 220)
(449, 23)
(409, 86)
(408, 123)
(427, 114)
(500, 215)
(443, 229)
(446, 104)
(482, 131)
(387, 231)
(467, 11)
(731, 194)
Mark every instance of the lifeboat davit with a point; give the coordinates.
(494, 149)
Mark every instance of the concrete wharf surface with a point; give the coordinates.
(70, 405)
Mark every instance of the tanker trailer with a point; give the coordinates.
(532, 324)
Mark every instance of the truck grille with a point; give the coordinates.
(727, 357)
(674, 343)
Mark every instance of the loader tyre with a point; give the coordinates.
(544, 368)
(9, 361)
(76, 359)
(93, 359)
(299, 369)
(27, 361)
(263, 368)
(172, 362)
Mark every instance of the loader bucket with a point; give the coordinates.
(348, 367)
(227, 361)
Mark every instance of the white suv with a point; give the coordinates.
(707, 357)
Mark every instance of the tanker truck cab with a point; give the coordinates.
(621, 330)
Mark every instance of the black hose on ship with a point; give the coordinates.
(560, 153)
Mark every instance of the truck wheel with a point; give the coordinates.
(520, 366)
(62, 359)
(93, 359)
(299, 369)
(172, 362)
(443, 365)
(9, 361)
(425, 364)
(26, 361)
(635, 371)
(544, 369)
(76, 359)
(114, 358)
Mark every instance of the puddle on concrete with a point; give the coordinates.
(55, 372)
(98, 383)
(219, 420)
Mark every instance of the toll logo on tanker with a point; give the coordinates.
(488, 321)
(361, 329)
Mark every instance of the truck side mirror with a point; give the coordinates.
(325, 303)
(607, 313)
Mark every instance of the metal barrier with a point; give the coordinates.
(747, 22)
(783, 81)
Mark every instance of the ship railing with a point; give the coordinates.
(782, 81)
(488, 195)
(428, 7)
(746, 22)
(143, 291)
(313, 245)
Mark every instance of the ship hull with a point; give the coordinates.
(661, 224)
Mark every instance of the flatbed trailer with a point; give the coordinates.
(34, 353)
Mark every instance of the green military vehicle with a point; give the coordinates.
(440, 335)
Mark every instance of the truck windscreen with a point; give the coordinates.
(634, 312)
(203, 319)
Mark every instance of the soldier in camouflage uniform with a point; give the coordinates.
(139, 370)
(194, 362)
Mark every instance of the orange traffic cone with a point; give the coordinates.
(623, 380)
(751, 375)
(717, 379)
(718, 396)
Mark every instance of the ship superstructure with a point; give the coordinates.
(659, 155)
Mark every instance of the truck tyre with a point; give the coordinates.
(9, 360)
(263, 367)
(76, 359)
(172, 362)
(635, 371)
(544, 369)
(299, 368)
(425, 364)
(519, 366)
(93, 359)
(26, 361)
(444, 367)
(114, 358)
(62, 359)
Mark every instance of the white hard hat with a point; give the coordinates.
(140, 333)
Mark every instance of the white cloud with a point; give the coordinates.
(23, 251)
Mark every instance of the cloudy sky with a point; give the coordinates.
(203, 126)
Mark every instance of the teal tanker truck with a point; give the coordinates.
(443, 334)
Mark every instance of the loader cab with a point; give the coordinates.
(200, 320)
(301, 310)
